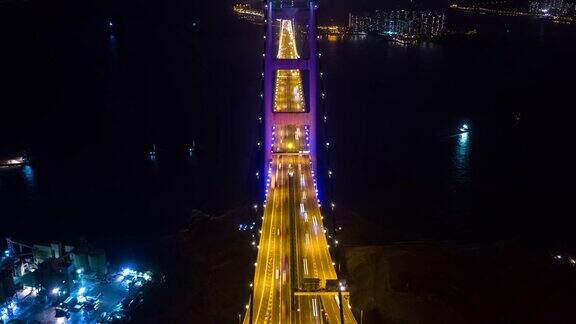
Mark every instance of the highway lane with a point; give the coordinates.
(316, 259)
(291, 139)
(292, 247)
(272, 283)
(264, 280)
(289, 94)
(292, 197)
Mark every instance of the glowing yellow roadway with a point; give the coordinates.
(313, 249)
(289, 96)
(272, 282)
(290, 139)
(293, 248)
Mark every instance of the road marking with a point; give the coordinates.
(314, 307)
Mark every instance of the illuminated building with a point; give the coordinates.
(413, 23)
(359, 24)
(550, 8)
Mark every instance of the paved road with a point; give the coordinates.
(293, 249)
(289, 95)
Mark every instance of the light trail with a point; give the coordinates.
(289, 94)
(294, 262)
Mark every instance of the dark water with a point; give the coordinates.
(88, 100)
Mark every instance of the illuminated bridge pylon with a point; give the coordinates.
(290, 75)
(295, 279)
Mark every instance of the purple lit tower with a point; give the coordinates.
(302, 16)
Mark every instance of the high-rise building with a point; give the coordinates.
(359, 24)
(417, 24)
(550, 8)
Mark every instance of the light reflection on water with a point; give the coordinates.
(461, 159)
(113, 44)
(30, 179)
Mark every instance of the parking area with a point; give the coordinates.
(91, 300)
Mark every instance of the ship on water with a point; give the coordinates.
(14, 161)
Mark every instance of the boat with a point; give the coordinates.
(464, 129)
(14, 161)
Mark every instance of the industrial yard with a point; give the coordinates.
(58, 283)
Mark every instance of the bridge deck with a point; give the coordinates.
(293, 250)
(293, 247)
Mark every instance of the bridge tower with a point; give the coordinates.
(283, 69)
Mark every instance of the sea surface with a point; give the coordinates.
(87, 89)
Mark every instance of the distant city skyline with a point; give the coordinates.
(338, 10)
